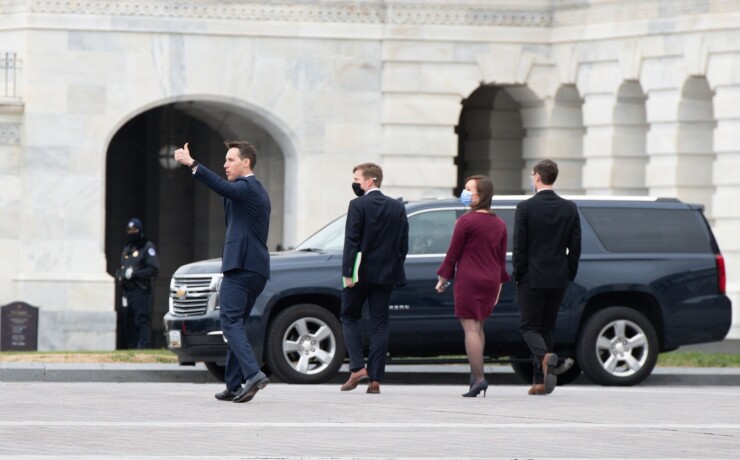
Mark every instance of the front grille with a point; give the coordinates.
(196, 289)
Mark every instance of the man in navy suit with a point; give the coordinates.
(245, 263)
(547, 246)
(378, 229)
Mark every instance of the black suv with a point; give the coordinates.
(651, 279)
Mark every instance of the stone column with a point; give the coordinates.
(679, 143)
(614, 143)
(11, 152)
(420, 109)
(726, 178)
(554, 130)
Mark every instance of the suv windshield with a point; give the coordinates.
(328, 239)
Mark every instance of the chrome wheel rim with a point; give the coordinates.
(309, 346)
(622, 348)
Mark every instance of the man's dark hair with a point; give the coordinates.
(247, 151)
(485, 192)
(371, 171)
(548, 171)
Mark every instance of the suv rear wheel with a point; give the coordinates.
(216, 370)
(618, 346)
(305, 345)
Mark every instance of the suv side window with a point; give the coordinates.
(430, 231)
(648, 230)
(507, 215)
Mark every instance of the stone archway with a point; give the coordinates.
(490, 135)
(184, 219)
(505, 130)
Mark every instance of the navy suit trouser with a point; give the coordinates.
(238, 292)
(377, 296)
(538, 315)
(136, 321)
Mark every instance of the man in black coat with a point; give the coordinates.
(375, 248)
(245, 262)
(547, 247)
(139, 267)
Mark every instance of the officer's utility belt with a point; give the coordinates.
(130, 285)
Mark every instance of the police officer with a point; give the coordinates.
(139, 266)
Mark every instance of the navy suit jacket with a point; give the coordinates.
(377, 226)
(247, 210)
(547, 241)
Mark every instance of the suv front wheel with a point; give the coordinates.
(618, 346)
(305, 345)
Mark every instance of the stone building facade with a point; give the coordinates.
(631, 97)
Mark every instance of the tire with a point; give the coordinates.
(216, 370)
(567, 371)
(617, 346)
(305, 345)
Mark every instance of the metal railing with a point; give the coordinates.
(9, 64)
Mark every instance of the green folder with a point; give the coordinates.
(355, 270)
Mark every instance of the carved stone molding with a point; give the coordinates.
(344, 12)
(10, 133)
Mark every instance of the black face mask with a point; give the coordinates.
(134, 237)
(357, 189)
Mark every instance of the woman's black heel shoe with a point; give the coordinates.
(472, 381)
(477, 388)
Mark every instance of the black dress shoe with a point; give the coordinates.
(549, 363)
(251, 387)
(227, 395)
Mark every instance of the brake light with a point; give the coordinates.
(721, 275)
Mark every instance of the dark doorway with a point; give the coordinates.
(490, 137)
(181, 217)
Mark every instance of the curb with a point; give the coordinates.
(97, 372)
(395, 374)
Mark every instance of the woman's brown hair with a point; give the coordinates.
(485, 192)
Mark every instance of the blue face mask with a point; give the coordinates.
(466, 198)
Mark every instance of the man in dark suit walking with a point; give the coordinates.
(245, 264)
(547, 246)
(376, 237)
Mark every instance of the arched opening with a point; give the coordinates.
(183, 218)
(490, 137)
(695, 146)
(505, 130)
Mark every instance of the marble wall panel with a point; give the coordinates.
(76, 330)
(418, 51)
(421, 109)
(419, 140)
(352, 138)
(438, 78)
(431, 174)
(86, 99)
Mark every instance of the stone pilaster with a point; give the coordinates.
(554, 130)
(679, 143)
(614, 143)
(11, 122)
(725, 203)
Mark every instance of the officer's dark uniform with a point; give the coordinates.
(139, 266)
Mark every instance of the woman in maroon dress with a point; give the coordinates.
(476, 259)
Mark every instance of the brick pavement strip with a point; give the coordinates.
(44, 420)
